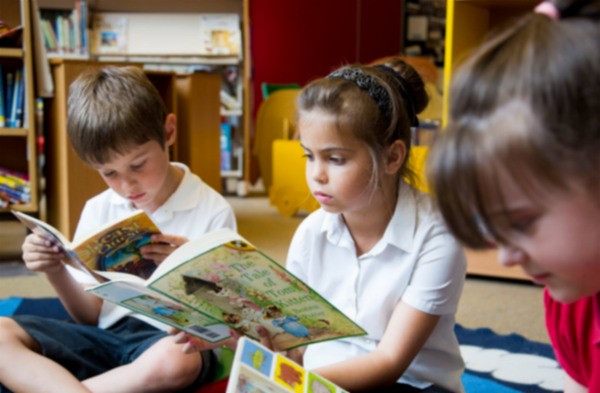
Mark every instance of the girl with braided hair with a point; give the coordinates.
(519, 166)
(376, 249)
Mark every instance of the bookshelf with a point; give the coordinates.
(133, 9)
(18, 149)
(468, 23)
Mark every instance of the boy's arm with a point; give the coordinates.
(40, 255)
(83, 307)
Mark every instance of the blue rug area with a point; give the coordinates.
(494, 363)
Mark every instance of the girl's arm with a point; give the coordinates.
(405, 335)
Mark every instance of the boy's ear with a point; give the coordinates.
(396, 153)
(171, 128)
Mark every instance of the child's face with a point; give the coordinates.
(555, 241)
(339, 167)
(139, 175)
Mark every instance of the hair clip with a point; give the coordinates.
(548, 9)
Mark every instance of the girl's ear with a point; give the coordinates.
(396, 153)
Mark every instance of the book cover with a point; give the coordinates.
(220, 34)
(117, 247)
(109, 35)
(224, 277)
(112, 248)
(20, 101)
(257, 369)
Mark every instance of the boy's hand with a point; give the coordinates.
(195, 344)
(160, 252)
(40, 255)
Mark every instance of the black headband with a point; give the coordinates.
(377, 92)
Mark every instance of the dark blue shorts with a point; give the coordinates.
(87, 351)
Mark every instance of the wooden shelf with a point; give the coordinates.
(29, 208)
(11, 52)
(13, 131)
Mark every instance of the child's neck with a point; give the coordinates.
(172, 181)
(368, 226)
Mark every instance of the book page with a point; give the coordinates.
(50, 233)
(115, 247)
(137, 298)
(256, 368)
(240, 286)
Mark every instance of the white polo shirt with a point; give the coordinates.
(192, 210)
(416, 261)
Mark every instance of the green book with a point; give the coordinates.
(219, 282)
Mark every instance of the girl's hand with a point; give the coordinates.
(41, 255)
(194, 344)
(265, 339)
(166, 245)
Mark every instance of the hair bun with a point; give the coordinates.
(414, 79)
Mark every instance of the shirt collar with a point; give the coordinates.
(399, 232)
(185, 197)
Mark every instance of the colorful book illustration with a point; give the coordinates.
(257, 369)
(114, 247)
(227, 280)
(220, 34)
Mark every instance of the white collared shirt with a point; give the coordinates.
(191, 211)
(416, 261)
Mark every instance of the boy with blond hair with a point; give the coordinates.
(117, 124)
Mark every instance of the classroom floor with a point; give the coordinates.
(503, 306)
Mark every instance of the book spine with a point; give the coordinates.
(76, 30)
(2, 116)
(9, 91)
(14, 194)
(45, 33)
(10, 199)
(54, 40)
(83, 20)
(59, 34)
(21, 178)
(65, 32)
(13, 184)
(20, 101)
(14, 99)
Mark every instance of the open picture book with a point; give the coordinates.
(220, 282)
(257, 369)
(114, 247)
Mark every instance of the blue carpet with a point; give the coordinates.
(494, 363)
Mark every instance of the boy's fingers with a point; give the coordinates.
(169, 239)
(38, 240)
(164, 249)
(156, 258)
(181, 337)
(43, 257)
(36, 248)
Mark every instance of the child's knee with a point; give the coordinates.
(12, 335)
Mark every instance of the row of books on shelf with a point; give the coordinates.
(65, 31)
(12, 94)
(14, 188)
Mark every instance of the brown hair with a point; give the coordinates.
(355, 110)
(527, 102)
(112, 109)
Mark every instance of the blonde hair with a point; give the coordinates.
(111, 109)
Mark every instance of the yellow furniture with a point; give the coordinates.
(274, 121)
(290, 192)
(468, 22)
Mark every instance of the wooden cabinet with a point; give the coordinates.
(468, 23)
(18, 150)
(199, 125)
